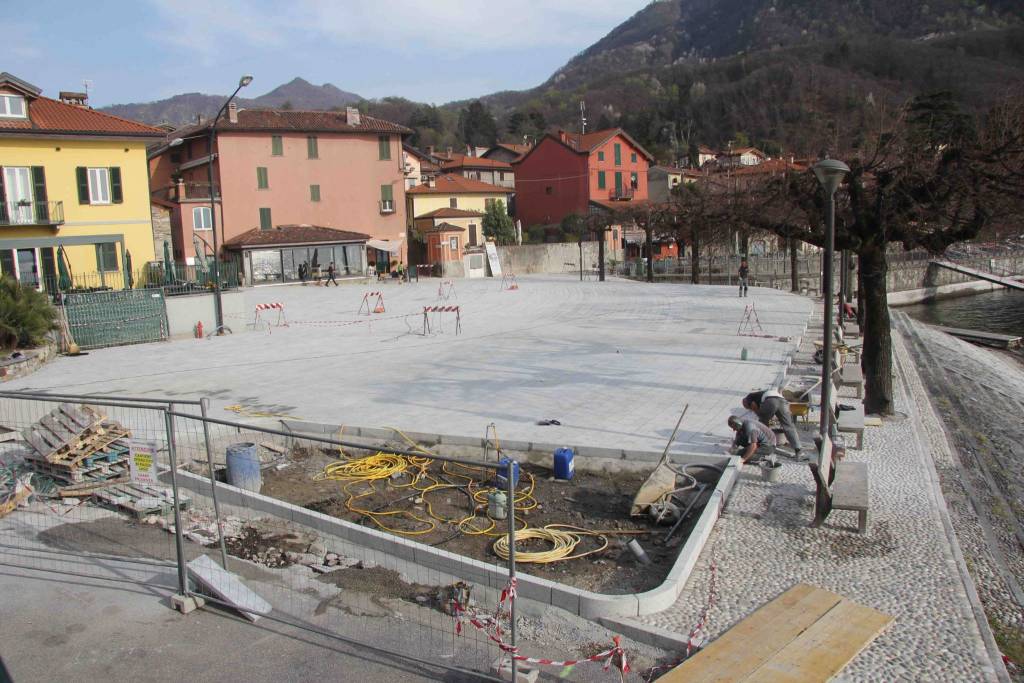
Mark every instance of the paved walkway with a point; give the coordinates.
(614, 362)
(907, 565)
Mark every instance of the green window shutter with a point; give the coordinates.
(42, 209)
(314, 193)
(3, 193)
(82, 178)
(618, 181)
(632, 157)
(618, 154)
(265, 221)
(262, 179)
(312, 151)
(601, 182)
(384, 145)
(116, 193)
(600, 156)
(276, 146)
(387, 193)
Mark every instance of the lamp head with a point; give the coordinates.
(829, 173)
(175, 142)
(244, 81)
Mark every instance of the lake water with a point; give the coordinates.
(1000, 311)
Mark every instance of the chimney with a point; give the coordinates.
(430, 150)
(470, 151)
(233, 113)
(431, 181)
(449, 152)
(75, 99)
(352, 116)
(179, 189)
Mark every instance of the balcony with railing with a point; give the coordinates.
(621, 194)
(182, 192)
(32, 213)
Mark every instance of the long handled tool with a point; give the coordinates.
(662, 481)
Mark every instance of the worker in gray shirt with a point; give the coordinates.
(753, 438)
(770, 403)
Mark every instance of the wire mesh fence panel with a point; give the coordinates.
(375, 547)
(99, 319)
(68, 501)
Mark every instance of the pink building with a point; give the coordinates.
(336, 170)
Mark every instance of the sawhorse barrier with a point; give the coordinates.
(446, 290)
(367, 298)
(750, 325)
(279, 307)
(508, 282)
(427, 310)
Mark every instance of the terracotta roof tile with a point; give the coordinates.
(52, 117)
(284, 235)
(456, 184)
(451, 213)
(441, 227)
(298, 121)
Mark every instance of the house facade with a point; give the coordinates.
(506, 151)
(741, 156)
(333, 170)
(490, 171)
(564, 173)
(73, 187)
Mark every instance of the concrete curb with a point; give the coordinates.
(585, 603)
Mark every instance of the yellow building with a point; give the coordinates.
(466, 195)
(71, 178)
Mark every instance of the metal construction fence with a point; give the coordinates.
(85, 514)
(126, 316)
(173, 279)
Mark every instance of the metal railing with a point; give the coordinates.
(178, 279)
(621, 193)
(32, 213)
(320, 572)
(186, 191)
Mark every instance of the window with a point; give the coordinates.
(453, 203)
(601, 180)
(618, 154)
(262, 180)
(600, 156)
(312, 149)
(472, 234)
(99, 186)
(387, 199)
(12, 106)
(615, 235)
(632, 157)
(202, 218)
(501, 175)
(276, 146)
(634, 180)
(453, 243)
(314, 193)
(106, 257)
(265, 222)
(489, 202)
(384, 147)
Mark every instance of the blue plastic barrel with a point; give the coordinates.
(503, 472)
(244, 467)
(564, 463)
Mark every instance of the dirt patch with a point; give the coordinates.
(591, 501)
(270, 550)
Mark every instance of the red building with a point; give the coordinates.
(564, 173)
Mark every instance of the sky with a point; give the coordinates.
(425, 50)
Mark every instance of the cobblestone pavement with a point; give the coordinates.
(976, 445)
(905, 565)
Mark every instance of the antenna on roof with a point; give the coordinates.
(583, 117)
(87, 84)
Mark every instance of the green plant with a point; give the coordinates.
(498, 225)
(25, 315)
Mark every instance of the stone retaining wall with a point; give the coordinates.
(31, 360)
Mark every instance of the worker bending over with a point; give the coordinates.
(754, 439)
(770, 403)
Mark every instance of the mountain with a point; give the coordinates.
(180, 109)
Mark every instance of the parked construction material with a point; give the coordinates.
(662, 481)
(228, 588)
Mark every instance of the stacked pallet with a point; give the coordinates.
(83, 449)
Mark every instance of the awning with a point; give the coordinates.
(390, 246)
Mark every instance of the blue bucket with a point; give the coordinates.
(503, 473)
(244, 467)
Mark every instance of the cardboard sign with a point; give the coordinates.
(142, 462)
(492, 258)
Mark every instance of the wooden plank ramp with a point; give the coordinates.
(807, 634)
(1002, 341)
(982, 274)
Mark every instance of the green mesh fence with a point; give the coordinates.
(113, 318)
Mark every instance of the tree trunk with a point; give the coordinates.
(794, 262)
(650, 253)
(694, 257)
(600, 255)
(877, 334)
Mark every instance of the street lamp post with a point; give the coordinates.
(218, 306)
(830, 173)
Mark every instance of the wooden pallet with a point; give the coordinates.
(141, 501)
(76, 474)
(69, 433)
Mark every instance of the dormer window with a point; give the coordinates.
(12, 106)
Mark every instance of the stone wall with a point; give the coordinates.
(161, 228)
(560, 257)
(29, 361)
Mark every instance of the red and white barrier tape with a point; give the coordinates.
(270, 307)
(491, 627)
(440, 309)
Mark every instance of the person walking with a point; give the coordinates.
(744, 274)
(330, 276)
(770, 403)
(753, 439)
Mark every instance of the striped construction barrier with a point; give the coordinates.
(376, 298)
(428, 310)
(279, 307)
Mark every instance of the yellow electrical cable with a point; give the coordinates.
(563, 543)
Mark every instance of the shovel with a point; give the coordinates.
(661, 481)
